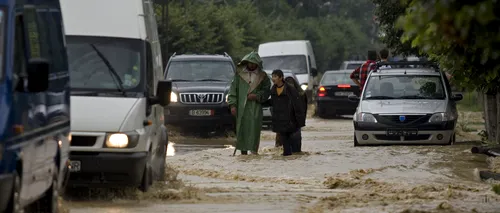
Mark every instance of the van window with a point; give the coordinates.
(202, 70)
(2, 42)
(296, 63)
(88, 71)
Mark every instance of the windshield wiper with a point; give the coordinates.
(174, 80)
(413, 97)
(378, 98)
(210, 80)
(115, 75)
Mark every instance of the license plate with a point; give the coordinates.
(200, 112)
(75, 166)
(343, 93)
(402, 132)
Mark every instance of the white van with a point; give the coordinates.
(117, 93)
(296, 55)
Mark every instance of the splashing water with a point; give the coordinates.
(170, 149)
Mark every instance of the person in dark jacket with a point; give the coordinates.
(297, 136)
(287, 110)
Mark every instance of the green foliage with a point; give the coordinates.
(239, 26)
(388, 12)
(462, 36)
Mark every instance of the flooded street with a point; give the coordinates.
(331, 176)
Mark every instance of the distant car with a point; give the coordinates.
(351, 65)
(406, 106)
(333, 92)
(200, 86)
(267, 117)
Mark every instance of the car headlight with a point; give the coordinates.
(303, 86)
(227, 98)
(365, 117)
(122, 140)
(441, 116)
(173, 97)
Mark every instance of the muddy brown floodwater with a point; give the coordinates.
(331, 176)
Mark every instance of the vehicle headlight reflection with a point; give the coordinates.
(173, 97)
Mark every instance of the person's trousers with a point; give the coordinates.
(286, 139)
(297, 141)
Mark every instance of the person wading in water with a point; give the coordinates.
(249, 89)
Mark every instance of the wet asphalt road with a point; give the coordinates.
(332, 176)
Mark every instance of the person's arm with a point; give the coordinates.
(264, 90)
(355, 76)
(232, 98)
(300, 115)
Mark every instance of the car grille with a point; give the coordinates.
(409, 119)
(83, 140)
(202, 98)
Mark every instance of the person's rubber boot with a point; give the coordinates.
(244, 152)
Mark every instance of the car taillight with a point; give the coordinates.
(322, 92)
(344, 86)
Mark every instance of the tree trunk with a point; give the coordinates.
(490, 116)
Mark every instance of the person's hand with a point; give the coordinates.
(233, 111)
(252, 97)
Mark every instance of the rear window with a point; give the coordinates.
(336, 79)
(195, 70)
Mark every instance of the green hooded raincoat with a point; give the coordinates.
(249, 113)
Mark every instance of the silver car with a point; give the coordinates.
(406, 106)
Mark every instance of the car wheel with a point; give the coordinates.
(160, 174)
(49, 202)
(147, 175)
(15, 198)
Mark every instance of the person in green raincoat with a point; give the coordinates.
(249, 89)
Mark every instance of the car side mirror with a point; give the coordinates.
(353, 98)
(457, 97)
(314, 72)
(163, 91)
(37, 76)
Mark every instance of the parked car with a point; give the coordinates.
(333, 92)
(406, 106)
(350, 65)
(117, 94)
(267, 116)
(200, 91)
(34, 106)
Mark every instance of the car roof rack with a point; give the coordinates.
(406, 64)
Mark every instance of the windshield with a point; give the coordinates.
(352, 66)
(296, 63)
(404, 87)
(2, 41)
(336, 79)
(88, 70)
(202, 70)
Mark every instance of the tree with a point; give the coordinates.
(464, 37)
(387, 13)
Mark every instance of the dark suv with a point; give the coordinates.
(200, 85)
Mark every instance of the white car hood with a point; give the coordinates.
(302, 78)
(99, 114)
(403, 106)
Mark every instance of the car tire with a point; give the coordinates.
(14, 205)
(160, 174)
(147, 175)
(49, 202)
